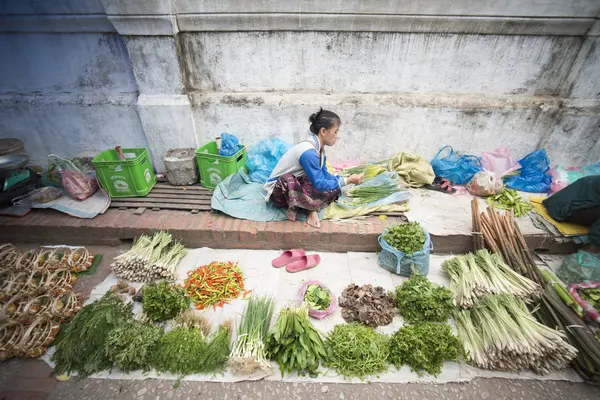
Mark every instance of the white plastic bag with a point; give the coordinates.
(484, 183)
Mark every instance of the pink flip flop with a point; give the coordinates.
(287, 257)
(304, 262)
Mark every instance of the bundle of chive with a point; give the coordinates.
(365, 194)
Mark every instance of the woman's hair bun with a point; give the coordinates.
(313, 117)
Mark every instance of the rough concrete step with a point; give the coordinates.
(219, 231)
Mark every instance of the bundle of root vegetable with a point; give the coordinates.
(500, 334)
(150, 258)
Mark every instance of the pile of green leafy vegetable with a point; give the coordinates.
(130, 345)
(180, 351)
(420, 300)
(355, 350)
(294, 343)
(409, 238)
(317, 297)
(82, 347)
(217, 353)
(424, 347)
(163, 301)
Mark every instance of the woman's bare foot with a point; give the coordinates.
(313, 219)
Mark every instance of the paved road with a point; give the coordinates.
(31, 379)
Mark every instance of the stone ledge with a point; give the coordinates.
(219, 231)
(384, 23)
(68, 23)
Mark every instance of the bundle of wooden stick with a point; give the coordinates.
(501, 235)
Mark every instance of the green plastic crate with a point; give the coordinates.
(132, 177)
(215, 168)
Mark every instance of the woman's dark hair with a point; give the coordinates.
(323, 119)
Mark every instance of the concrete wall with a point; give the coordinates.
(404, 75)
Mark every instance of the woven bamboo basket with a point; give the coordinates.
(67, 306)
(10, 336)
(80, 259)
(57, 282)
(38, 336)
(20, 282)
(9, 255)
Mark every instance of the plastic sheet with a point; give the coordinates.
(263, 157)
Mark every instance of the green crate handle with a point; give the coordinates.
(240, 157)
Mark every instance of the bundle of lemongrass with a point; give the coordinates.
(475, 276)
(500, 334)
(150, 258)
(249, 352)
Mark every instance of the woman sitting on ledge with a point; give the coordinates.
(301, 180)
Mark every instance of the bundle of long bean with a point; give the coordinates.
(501, 334)
(249, 352)
(475, 276)
(150, 258)
(215, 284)
(364, 194)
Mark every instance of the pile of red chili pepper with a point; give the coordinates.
(215, 284)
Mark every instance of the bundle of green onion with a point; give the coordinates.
(500, 334)
(364, 194)
(249, 352)
(475, 276)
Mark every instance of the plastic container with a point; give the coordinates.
(132, 177)
(399, 263)
(215, 168)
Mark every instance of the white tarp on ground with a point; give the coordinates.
(337, 270)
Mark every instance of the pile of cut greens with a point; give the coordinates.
(317, 297)
(368, 193)
(356, 351)
(294, 342)
(420, 300)
(181, 351)
(163, 301)
(408, 238)
(475, 276)
(130, 345)
(81, 349)
(424, 347)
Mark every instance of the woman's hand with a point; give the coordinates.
(355, 179)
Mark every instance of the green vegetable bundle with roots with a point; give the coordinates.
(409, 238)
(295, 343)
(420, 300)
(150, 258)
(131, 345)
(424, 347)
(356, 351)
(475, 276)
(501, 334)
(249, 353)
(82, 348)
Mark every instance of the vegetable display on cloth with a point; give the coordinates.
(475, 276)
(424, 347)
(215, 284)
(509, 199)
(81, 349)
(319, 299)
(150, 258)
(408, 238)
(163, 301)
(501, 334)
(180, 351)
(294, 342)
(130, 345)
(365, 194)
(356, 351)
(372, 306)
(420, 300)
(249, 353)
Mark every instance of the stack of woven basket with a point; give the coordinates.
(36, 296)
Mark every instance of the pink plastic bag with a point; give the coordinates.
(590, 312)
(78, 184)
(318, 314)
(564, 176)
(499, 162)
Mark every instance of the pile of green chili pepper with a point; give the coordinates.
(215, 284)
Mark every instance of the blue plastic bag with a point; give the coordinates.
(457, 169)
(399, 263)
(263, 157)
(533, 176)
(229, 145)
